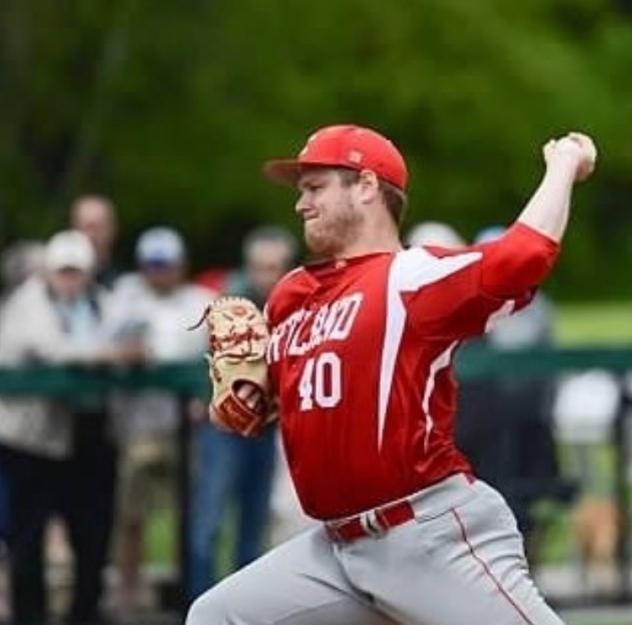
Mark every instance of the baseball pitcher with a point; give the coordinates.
(358, 352)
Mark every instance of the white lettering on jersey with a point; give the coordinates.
(286, 327)
(349, 307)
(296, 349)
(321, 381)
(330, 322)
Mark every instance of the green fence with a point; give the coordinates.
(475, 362)
(183, 379)
(191, 378)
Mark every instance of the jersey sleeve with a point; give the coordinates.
(500, 278)
(284, 295)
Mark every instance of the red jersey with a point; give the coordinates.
(361, 359)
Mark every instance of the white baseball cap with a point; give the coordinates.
(434, 233)
(160, 245)
(491, 233)
(69, 249)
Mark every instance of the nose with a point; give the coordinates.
(301, 204)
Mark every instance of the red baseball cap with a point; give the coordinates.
(348, 146)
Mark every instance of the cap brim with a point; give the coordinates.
(69, 265)
(283, 171)
(163, 261)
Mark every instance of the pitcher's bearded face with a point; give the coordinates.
(331, 220)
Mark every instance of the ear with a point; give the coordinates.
(368, 186)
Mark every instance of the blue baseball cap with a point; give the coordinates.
(160, 246)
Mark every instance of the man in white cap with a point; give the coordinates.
(56, 318)
(433, 233)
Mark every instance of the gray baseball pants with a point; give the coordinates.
(459, 562)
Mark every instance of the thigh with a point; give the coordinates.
(4, 497)
(90, 487)
(143, 467)
(487, 553)
(219, 459)
(215, 448)
(298, 583)
(37, 488)
(255, 477)
(218, 469)
(465, 566)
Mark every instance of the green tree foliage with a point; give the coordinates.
(171, 108)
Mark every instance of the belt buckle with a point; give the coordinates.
(371, 524)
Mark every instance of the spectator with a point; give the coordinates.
(95, 216)
(433, 233)
(155, 305)
(56, 318)
(231, 469)
(5, 513)
(19, 262)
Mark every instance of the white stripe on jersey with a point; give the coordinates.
(410, 270)
(440, 362)
(504, 311)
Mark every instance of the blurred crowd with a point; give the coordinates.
(84, 474)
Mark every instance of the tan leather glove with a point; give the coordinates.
(238, 337)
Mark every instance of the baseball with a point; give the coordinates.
(581, 146)
(587, 165)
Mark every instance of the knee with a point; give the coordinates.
(208, 609)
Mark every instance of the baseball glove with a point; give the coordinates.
(238, 337)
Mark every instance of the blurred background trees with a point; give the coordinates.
(170, 108)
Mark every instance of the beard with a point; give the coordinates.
(328, 236)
